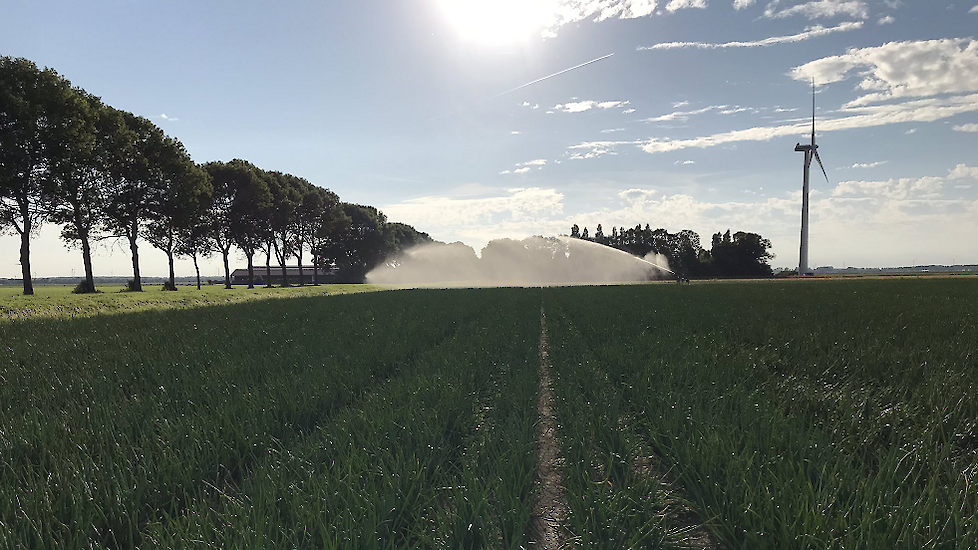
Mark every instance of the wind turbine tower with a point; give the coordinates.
(811, 151)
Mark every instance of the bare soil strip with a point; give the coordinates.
(550, 509)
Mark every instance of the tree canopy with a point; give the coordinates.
(742, 254)
(99, 172)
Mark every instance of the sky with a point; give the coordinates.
(440, 113)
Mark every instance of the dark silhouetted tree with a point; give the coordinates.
(180, 192)
(33, 131)
(134, 185)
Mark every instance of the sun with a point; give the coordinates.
(498, 22)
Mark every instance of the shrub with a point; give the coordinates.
(83, 288)
(130, 286)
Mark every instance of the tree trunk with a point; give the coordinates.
(315, 271)
(268, 265)
(169, 256)
(137, 283)
(85, 246)
(227, 268)
(197, 269)
(281, 260)
(302, 281)
(173, 280)
(25, 255)
(250, 254)
(87, 259)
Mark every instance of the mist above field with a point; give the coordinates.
(527, 262)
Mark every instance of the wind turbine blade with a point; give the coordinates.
(823, 168)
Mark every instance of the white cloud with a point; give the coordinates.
(571, 11)
(921, 110)
(527, 104)
(818, 9)
(169, 118)
(675, 5)
(886, 20)
(741, 4)
(684, 162)
(523, 170)
(628, 111)
(513, 204)
(611, 130)
(974, 9)
(910, 132)
(860, 165)
(901, 69)
(895, 220)
(515, 132)
(807, 34)
(587, 105)
(963, 171)
(535, 162)
(966, 128)
(684, 115)
(929, 187)
(595, 149)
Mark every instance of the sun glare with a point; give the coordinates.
(498, 22)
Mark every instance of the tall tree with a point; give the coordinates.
(326, 222)
(180, 191)
(250, 211)
(31, 129)
(308, 210)
(286, 197)
(194, 241)
(219, 211)
(361, 245)
(134, 182)
(79, 180)
(741, 255)
(239, 212)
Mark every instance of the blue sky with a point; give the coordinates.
(691, 123)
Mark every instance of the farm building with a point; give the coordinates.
(240, 276)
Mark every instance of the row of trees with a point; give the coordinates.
(739, 255)
(100, 172)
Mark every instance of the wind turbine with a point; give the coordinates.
(810, 151)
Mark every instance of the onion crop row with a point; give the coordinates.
(442, 459)
(832, 415)
(111, 424)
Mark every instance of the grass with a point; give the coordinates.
(56, 301)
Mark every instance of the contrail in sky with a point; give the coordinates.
(551, 76)
(530, 84)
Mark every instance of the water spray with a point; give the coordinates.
(533, 261)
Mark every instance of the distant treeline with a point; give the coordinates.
(739, 255)
(100, 172)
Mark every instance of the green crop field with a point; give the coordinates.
(792, 414)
